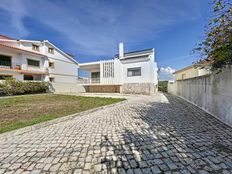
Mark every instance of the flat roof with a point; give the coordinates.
(90, 66)
(135, 53)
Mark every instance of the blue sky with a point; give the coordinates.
(92, 29)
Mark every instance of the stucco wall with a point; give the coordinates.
(67, 88)
(189, 73)
(212, 93)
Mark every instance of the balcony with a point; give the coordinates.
(25, 69)
(85, 81)
(97, 81)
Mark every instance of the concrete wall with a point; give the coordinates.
(213, 93)
(67, 88)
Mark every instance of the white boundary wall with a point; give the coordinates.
(212, 93)
(67, 88)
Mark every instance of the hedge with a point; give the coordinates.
(13, 87)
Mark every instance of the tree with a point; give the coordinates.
(217, 45)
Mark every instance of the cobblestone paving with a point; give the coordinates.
(161, 134)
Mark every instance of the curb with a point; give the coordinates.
(55, 121)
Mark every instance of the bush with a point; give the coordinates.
(13, 87)
(163, 86)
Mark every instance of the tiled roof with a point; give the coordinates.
(6, 37)
(186, 68)
(19, 49)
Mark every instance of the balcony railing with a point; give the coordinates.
(32, 68)
(88, 81)
(22, 68)
(102, 81)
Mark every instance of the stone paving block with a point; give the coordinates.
(147, 134)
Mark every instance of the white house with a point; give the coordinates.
(30, 60)
(130, 72)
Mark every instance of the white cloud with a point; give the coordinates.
(95, 27)
(17, 12)
(166, 73)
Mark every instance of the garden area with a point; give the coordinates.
(20, 111)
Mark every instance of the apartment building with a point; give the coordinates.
(32, 60)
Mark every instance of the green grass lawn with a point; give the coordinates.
(20, 111)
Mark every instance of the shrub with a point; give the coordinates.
(163, 86)
(13, 87)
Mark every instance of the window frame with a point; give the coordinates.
(34, 61)
(51, 52)
(183, 76)
(51, 79)
(133, 70)
(6, 76)
(51, 65)
(10, 57)
(28, 75)
(35, 46)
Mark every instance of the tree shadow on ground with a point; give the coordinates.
(172, 136)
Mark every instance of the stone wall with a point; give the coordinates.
(212, 93)
(104, 88)
(138, 88)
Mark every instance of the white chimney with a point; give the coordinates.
(121, 50)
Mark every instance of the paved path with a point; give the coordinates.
(161, 134)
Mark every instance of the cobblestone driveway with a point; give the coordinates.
(163, 134)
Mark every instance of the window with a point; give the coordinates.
(35, 47)
(183, 76)
(28, 77)
(95, 75)
(5, 61)
(51, 50)
(31, 62)
(51, 65)
(52, 79)
(3, 77)
(133, 72)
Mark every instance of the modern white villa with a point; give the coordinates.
(129, 72)
(31, 60)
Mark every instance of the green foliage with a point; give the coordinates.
(13, 87)
(20, 111)
(163, 86)
(217, 45)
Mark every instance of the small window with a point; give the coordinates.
(51, 65)
(51, 50)
(35, 47)
(28, 77)
(5, 61)
(133, 72)
(183, 76)
(4, 77)
(31, 62)
(52, 79)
